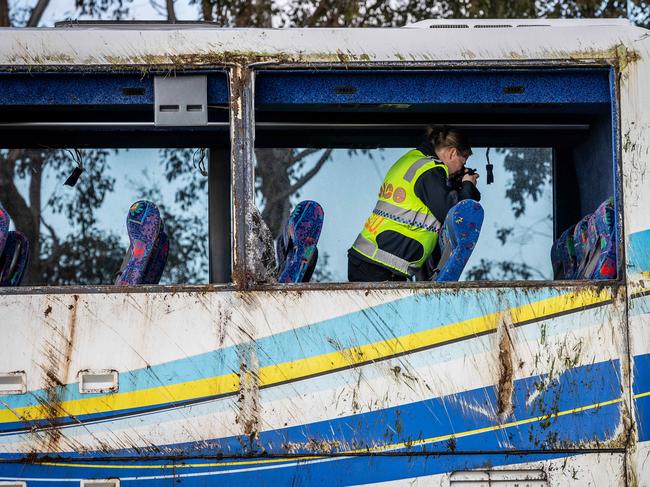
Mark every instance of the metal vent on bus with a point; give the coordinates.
(449, 26)
(100, 483)
(500, 478)
(13, 383)
(98, 381)
(492, 26)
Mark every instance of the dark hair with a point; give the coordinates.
(441, 136)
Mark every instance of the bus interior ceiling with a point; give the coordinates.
(571, 113)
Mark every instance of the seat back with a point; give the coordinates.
(601, 261)
(587, 250)
(296, 246)
(563, 255)
(158, 260)
(4, 228)
(14, 259)
(458, 237)
(143, 224)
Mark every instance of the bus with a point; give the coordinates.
(522, 378)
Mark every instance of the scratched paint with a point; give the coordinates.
(340, 384)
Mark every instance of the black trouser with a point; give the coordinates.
(361, 271)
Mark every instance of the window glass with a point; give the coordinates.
(81, 236)
(517, 233)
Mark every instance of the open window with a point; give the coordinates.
(118, 139)
(330, 136)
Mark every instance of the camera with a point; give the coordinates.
(456, 181)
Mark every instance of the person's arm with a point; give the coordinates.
(469, 191)
(431, 187)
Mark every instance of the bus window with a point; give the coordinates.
(517, 231)
(331, 137)
(146, 159)
(83, 237)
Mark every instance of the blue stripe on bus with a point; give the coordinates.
(324, 472)
(638, 251)
(641, 385)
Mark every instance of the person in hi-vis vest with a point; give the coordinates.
(402, 230)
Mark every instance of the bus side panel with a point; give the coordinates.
(307, 375)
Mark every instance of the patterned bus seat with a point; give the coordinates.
(601, 264)
(296, 246)
(563, 255)
(144, 225)
(4, 227)
(587, 250)
(458, 238)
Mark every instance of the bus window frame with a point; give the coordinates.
(146, 288)
(241, 81)
(248, 160)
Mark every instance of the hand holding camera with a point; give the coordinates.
(470, 175)
(466, 174)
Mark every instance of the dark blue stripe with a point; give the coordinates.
(348, 471)
(642, 384)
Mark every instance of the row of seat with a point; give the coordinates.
(587, 250)
(296, 247)
(297, 250)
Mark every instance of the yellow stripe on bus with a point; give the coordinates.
(290, 371)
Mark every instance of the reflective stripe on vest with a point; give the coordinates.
(398, 209)
(370, 249)
(408, 217)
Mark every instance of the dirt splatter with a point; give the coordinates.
(505, 385)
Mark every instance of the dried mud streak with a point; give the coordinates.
(56, 373)
(629, 434)
(248, 400)
(505, 385)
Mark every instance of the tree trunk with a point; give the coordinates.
(272, 169)
(20, 213)
(4, 13)
(37, 13)
(171, 14)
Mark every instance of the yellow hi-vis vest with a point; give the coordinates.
(399, 209)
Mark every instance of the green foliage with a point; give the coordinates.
(502, 270)
(531, 171)
(84, 259)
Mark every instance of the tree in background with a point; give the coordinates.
(280, 172)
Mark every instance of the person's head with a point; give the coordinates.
(450, 145)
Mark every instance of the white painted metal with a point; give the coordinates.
(590, 40)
